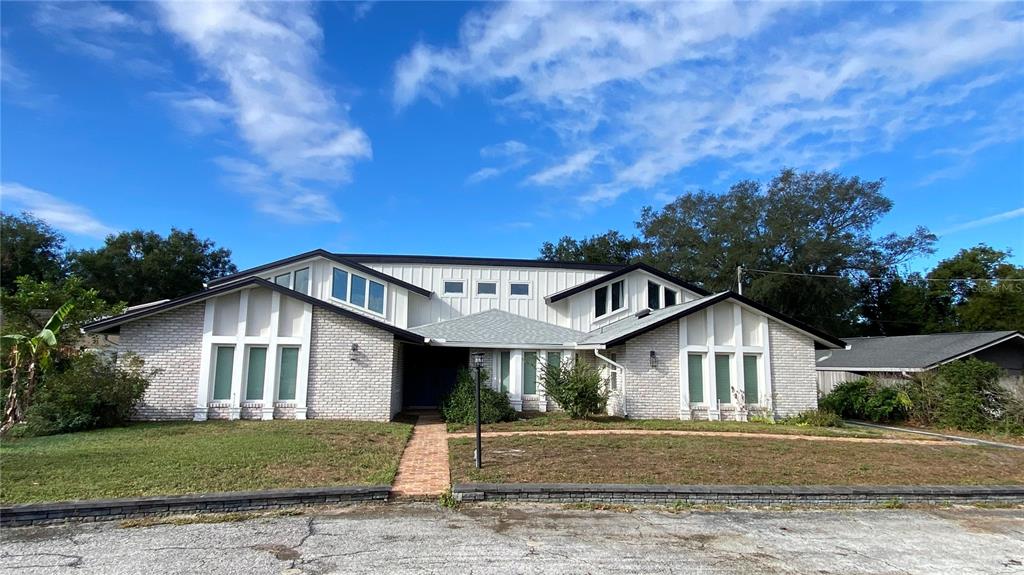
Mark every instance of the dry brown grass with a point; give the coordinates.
(729, 460)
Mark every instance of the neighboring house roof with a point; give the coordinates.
(552, 298)
(910, 352)
(139, 312)
(351, 263)
(474, 261)
(498, 328)
(632, 326)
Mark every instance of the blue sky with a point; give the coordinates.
(468, 129)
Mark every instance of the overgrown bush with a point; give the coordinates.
(815, 418)
(460, 405)
(972, 399)
(576, 387)
(867, 399)
(93, 391)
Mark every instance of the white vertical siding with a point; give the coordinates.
(580, 307)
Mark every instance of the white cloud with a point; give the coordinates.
(511, 155)
(572, 166)
(52, 210)
(986, 221)
(102, 32)
(296, 130)
(659, 87)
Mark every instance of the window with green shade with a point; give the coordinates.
(723, 388)
(530, 373)
(506, 361)
(302, 281)
(695, 374)
(376, 297)
(750, 378)
(223, 365)
(289, 373)
(358, 295)
(255, 372)
(554, 359)
(284, 280)
(339, 286)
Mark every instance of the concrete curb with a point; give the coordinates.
(804, 495)
(227, 502)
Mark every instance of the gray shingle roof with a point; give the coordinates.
(910, 352)
(499, 327)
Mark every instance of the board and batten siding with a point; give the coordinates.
(543, 282)
(580, 307)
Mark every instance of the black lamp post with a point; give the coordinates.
(478, 363)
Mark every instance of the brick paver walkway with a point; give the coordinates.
(423, 470)
(707, 433)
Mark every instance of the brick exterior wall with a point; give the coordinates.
(172, 343)
(794, 381)
(651, 393)
(343, 388)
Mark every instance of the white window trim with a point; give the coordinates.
(366, 293)
(497, 289)
(610, 313)
(445, 293)
(517, 296)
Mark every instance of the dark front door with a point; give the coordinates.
(429, 373)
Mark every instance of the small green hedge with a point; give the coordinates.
(460, 405)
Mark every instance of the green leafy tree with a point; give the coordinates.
(27, 358)
(608, 248)
(25, 306)
(138, 267)
(29, 247)
(977, 305)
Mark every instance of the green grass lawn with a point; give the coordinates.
(178, 458)
(749, 460)
(560, 421)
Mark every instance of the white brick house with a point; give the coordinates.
(347, 336)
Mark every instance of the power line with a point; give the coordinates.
(885, 278)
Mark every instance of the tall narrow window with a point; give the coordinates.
(600, 301)
(554, 360)
(376, 297)
(617, 290)
(254, 373)
(750, 378)
(506, 364)
(302, 281)
(289, 373)
(223, 366)
(695, 375)
(530, 373)
(723, 386)
(358, 296)
(284, 280)
(671, 297)
(339, 286)
(653, 295)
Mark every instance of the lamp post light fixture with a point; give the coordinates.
(478, 364)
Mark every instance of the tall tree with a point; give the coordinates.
(800, 223)
(29, 247)
(988, 304)
(138, 267)
(608, 248)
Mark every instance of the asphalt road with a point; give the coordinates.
(424, 539)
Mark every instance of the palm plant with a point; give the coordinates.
(28, 358)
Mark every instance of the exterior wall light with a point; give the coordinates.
(654, 359)
(354, 354)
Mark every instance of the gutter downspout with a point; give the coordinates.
(622, 379)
